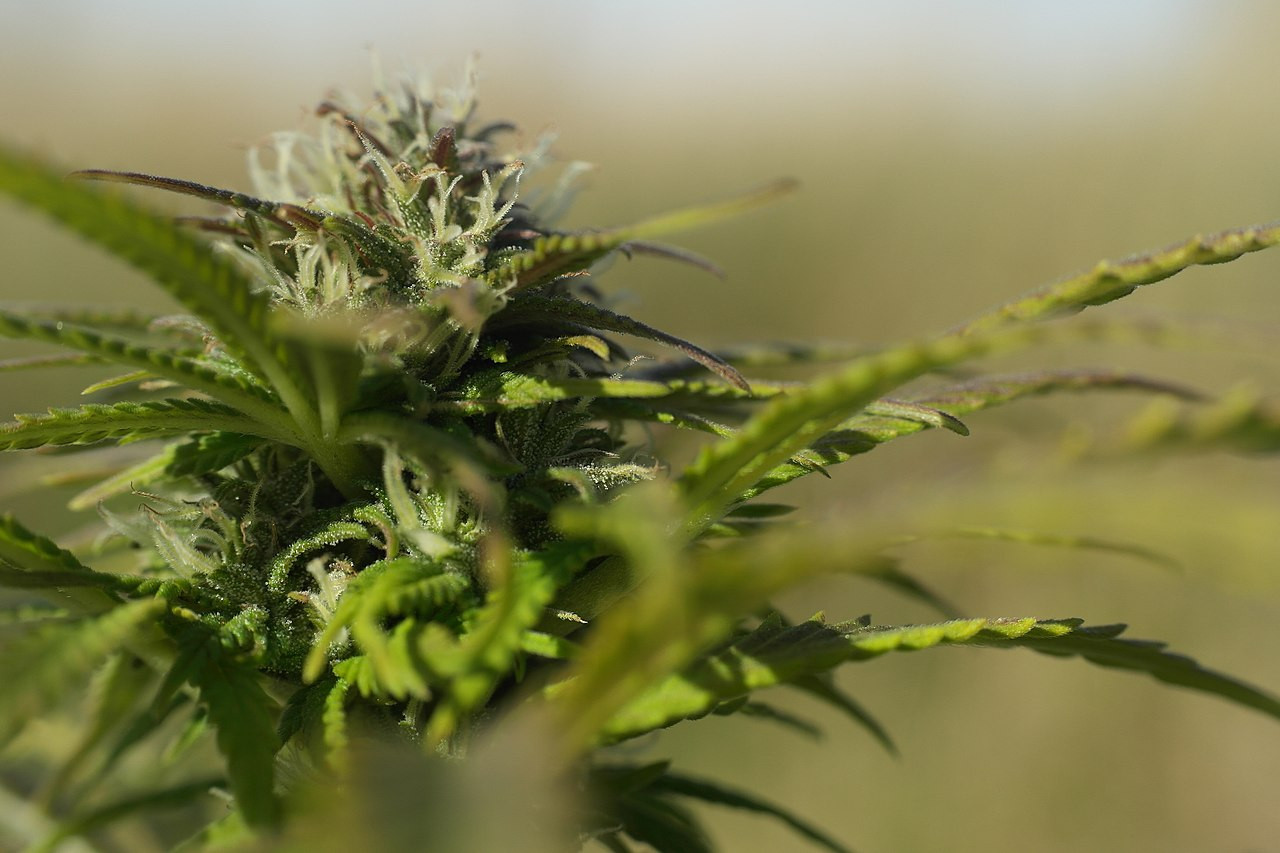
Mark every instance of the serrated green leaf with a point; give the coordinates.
(243, 717)
(122, 422)
(988, 391)
(715, 792)
(865, 432)
(56, 659)
(905, 410)
(30, 552)
(202, 455)
(760, 355)
(302, 710)
(116, 318)
(186, 367)
(11, 578)
(334, 720)
(486, 652)
(388, 588)
(815, 647)
(70, 359)
(639, 641)
(744, 465)
(207, 284)
(822, 686)
(767, 712)
(1111, 280)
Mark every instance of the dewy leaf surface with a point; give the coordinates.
(714, 792)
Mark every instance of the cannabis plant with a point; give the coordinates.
(388, 488)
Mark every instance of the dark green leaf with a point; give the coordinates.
(764, 711)
(822, 686)
(206, 283)
(714, 792)
(203, 454)
(568, 310)
(243, 717)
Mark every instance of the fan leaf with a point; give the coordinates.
(568, 310)
(243, 717)
(721, 795)
(208, 285)
(56, 659)
(780, 656)
(128, 422)
(1111, 280)
(185, 367)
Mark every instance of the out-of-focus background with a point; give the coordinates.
(951, 155)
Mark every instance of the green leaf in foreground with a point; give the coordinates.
(55, 659)
(243, 718)
(738, 466)
(204, 282)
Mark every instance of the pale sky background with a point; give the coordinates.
(1057, 55)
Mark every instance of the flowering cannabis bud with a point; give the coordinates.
(401, 487)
